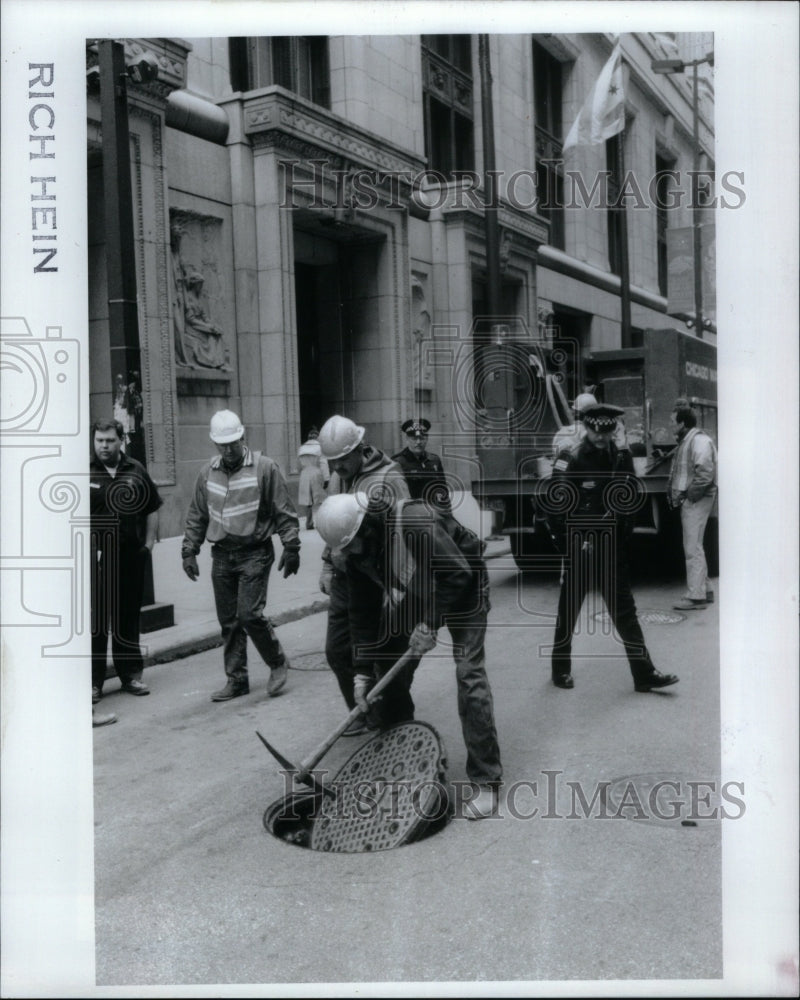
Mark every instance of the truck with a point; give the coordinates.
(523, 392)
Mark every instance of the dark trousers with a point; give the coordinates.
(239, 578)
(117, 582)
(467, 628)
(605, 570)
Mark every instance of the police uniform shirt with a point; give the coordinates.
(425, 477)
(122, 502)
(590, 470)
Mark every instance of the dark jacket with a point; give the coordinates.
(425, 477)
(429, 563)
(121, 503)
(379, 477)
(591, 488)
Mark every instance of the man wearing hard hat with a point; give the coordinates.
(240, 500)
(409, 574)
(355, 466)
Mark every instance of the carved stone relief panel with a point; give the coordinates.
(202, 313)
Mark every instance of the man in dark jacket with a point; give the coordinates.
(123, 505)
(590, 500)
(354, 465)
(409, 573)
(423, 470)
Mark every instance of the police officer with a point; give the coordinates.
(423, 470)
(590, 500)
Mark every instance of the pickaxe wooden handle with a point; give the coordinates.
(302, 771)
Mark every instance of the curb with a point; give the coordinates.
(211, 640)
(181, 648)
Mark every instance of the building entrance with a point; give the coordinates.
(338, 306)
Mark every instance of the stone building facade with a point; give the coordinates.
(308, 221)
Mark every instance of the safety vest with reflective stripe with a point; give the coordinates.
(233, 500)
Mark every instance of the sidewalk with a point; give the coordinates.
(196, 627)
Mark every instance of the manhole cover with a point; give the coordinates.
(387, 794)
(646, 617)
(308, 661)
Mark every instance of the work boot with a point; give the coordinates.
(233, 689)
(135, 687)
(483, 805)
(103, 720)
(278, 677)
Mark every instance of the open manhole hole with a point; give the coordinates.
(649, 617)
(669, 800)
(308, 661)
(391, 792)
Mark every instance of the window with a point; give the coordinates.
(298, 63)
(447, 102)
(663, 185)
(547, 91)
(614, 213)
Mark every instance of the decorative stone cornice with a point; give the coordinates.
(522, 227)
(170, 53)
(279, 119)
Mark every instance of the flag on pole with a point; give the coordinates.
(603, 113)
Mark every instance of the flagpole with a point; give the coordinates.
(624, 267)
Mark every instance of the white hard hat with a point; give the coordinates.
(339, 518)
(225, 427)
(583, 401)
(339, 436)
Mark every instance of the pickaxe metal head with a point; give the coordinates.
(306, 777)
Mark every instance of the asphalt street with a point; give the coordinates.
(191, 889)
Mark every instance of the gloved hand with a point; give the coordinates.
(289, 562)
(190, 567)
(423, 638)
(361, 687)
(326, 578)
(393, 597)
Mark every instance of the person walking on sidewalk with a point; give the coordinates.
(123, 506)
(590, 499)
(355, 466)
(240, 500)
(692, 488)
(409, 573)
(311, 486)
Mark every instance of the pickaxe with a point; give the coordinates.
(302, 771)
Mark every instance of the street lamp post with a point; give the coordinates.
(667, 67)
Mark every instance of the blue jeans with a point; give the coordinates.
(239, 578)
(467, 627)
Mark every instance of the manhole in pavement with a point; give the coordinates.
(308, 661)
(646, 617)
(664, 799)
(390, 792)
